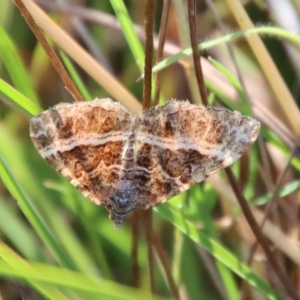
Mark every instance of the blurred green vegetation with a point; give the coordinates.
(57, 245)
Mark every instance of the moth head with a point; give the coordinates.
(120, 201)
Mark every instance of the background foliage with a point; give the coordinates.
(57, 245)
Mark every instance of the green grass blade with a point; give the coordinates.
(285, 191)
(21, 236)
(31, 171)
(33, 215)
(74, 248)
(19, 265)
(205, 201)
(219, 252)
(15, 67)
(129, 33)
(75, 77)
(277, 32)
(245, 107)
(15, 98)
(67, 279)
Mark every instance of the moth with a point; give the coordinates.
(124, 162)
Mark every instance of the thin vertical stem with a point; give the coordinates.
(162, 255)
(149, 21)
(161, 42)
(69, 84)
(135, 271)
(260, 238)
(196, 56)
(148, 235)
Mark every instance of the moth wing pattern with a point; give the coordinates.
(125, 162)
(181, 144)
(84, 142)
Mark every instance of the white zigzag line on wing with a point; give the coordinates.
(185, 144)
(165, 143)
(86, 140)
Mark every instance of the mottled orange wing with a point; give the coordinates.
(84, 141)
(180, 144)
(125, 163)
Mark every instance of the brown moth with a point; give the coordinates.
(125, 162)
